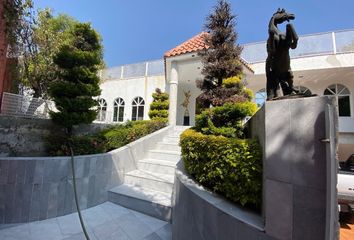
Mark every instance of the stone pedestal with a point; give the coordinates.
(299, 145)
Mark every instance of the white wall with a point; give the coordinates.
(128, 89)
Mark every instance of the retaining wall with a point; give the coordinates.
(200, 214)
(38, 188)
(21, 136)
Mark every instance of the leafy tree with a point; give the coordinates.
(78, 81)
(221, 58)
(35, 37)
(76, 85)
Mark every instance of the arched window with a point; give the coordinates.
(303, 90)
(102, 110)
(342, 95)
(261, 97)
(138, 109)
(118, 110)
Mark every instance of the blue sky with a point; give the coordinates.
(140, 30)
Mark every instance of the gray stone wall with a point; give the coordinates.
(201, 215)
(20, 136)
(38, 188)
(297, 200)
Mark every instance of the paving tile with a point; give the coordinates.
(15, 233)
(81, 236)
(133, 227)
(152, 236)
(165, 233)
(119, 234)
(69, 224)
(45, 230)
(95, 216)
(114, 210)
(106, 230)
(107, 221)
(153, 223)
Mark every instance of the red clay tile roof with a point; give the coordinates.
(195, 44)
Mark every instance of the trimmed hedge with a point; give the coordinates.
(104, 141)
(231, 167)
(121, 135)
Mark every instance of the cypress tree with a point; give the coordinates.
(221, 59)
(77, 80)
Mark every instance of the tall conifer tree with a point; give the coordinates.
(78, 81)
(221, 59)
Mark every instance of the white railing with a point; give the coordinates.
(308, 45)
(28, 106)
(144, 69)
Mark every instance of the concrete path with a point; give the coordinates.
(107, 221)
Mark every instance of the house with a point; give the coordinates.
(322, 64)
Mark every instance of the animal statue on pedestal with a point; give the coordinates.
(278, 70)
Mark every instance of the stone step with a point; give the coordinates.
(180, 128)
(165, 155)
(169, 146)
(172, 139)
(157, 166)
(153, 203)
(155, 181)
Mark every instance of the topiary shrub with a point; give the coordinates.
(225, 120)
(159, 106)
(231, 167)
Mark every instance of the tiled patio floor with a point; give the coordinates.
(107, 221)
(347, 227)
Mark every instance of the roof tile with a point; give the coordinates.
(195, 44)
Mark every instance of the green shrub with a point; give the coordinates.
(225, 120)
(106, 140)
(160, 96)
(82, 145)
(231, 167)
(159, 106)
(158, 114)
(123, 134)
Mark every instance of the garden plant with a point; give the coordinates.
(216, 152)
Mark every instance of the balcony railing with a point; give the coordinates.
(308, 45)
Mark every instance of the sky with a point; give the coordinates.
(141, 30)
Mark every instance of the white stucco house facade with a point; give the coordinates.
(323, 64)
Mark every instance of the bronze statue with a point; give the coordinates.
(278, 68)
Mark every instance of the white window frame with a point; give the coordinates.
(138, 102)
(336, 94)
(119, 104)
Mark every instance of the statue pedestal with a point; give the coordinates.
(299, 143)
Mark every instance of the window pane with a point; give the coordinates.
(134, 113)
(115, 114)
(121, 114)
(328, 92)
(344, 106)
(141, 113)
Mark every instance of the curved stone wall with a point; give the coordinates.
(38, 188)
(200, 214)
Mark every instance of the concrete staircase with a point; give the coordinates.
(148, 189)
